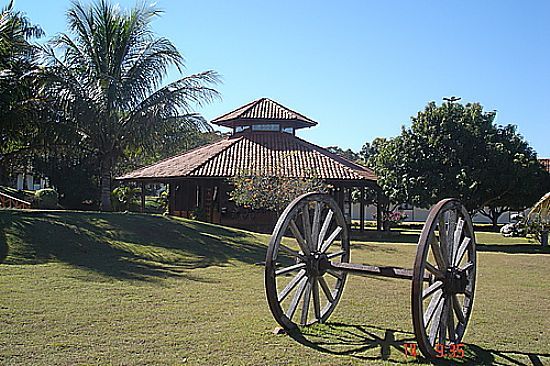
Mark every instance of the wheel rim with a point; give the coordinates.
(446, 252)
(310, 232)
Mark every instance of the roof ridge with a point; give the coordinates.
(242, 109)
(235, 140)
(292, 110)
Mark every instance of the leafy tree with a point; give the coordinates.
(347, 154)
(73, 173)
(456, 150)
(370, 149)
(17, 60)
(106, 84)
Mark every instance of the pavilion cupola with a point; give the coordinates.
(263, 115)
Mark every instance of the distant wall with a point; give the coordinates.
(420, 215)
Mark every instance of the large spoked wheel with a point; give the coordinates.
(310, 233)
(446, 254)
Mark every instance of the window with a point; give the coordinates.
(241, 128)
(266, 127)
(288, 130)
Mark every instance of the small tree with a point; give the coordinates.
(264, 192)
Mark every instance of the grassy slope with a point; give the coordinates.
(88, 288)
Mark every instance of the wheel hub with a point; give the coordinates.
(455, 281)
(316, 264)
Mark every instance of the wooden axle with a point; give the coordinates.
(367, 270)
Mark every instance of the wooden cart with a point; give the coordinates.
(308, 260)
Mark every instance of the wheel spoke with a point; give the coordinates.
(299, 238)
(294, 267)
(315, 229)
(456, 239)
(461, 250)
(291, 285)
(443, 320)
(326, 289)
(330, 239)
(434, 327)
(336, 254)
(296, 299)
(443, 238)
(307, 226)
(325, 227)
(432, 306)
(467, 266)
(436, 272)
(451, 321)
(335, 274)
(305, 305)
(450, 234)
(316, 302)
(458, 309)
(291, 252)
(438, 255)
(431, 289)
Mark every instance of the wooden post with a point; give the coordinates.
(362, 210)
(378, 211)
(142, 208)
(171, 198)
(350, 208)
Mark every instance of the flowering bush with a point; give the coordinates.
(262, 192)
(392, 218)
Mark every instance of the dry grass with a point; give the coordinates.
(87, 288)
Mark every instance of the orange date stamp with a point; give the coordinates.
(453, 350)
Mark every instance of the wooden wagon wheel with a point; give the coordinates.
(446, 252)
(310, 232)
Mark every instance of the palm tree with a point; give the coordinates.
(106, 83)
(17, 60)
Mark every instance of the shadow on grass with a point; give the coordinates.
(120, 245)
(393, 237)
(370, 343)
(513, 248)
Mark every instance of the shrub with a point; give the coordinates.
(46, 198)
(162, 201)
(122, 198)
(392, 218)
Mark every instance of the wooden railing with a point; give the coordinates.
(7, 201)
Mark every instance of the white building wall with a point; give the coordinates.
(420, 215)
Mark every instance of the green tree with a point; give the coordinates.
(348, 154)
(17, 61)
(106, 83)
(456, 150)
(370, 149)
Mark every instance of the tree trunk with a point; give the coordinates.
(494, 219)
(105, 182)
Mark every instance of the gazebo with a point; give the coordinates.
(263, 141)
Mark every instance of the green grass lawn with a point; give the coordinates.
(89, 288)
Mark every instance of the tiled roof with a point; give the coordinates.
(270, 153)
(261, 110)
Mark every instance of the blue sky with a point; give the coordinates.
(362, 68)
